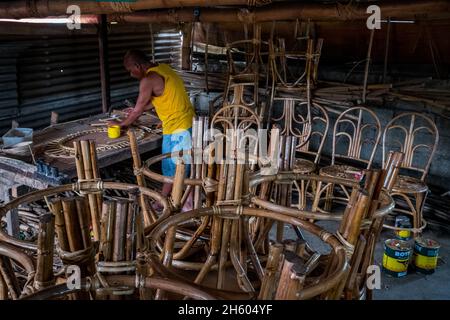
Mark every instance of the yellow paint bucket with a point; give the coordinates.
(396, 257)
(113, 132)
(425, 255)
(404, 223)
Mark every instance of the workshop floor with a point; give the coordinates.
(414, 286)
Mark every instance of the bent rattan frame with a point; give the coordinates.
(84, 186)
(233, 212)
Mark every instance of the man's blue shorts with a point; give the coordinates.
(181, 140)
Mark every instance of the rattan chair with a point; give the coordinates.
(356, 134)
(417, 137)
(245, 77)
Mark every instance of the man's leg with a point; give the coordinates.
(185, 143)
(167, 166)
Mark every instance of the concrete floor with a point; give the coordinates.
(417, 286)
(414, 286)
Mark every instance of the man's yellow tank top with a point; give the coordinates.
(173, 107)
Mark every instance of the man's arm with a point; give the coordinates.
(143, 102)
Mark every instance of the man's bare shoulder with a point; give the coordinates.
(154, 82)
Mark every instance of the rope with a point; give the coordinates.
(116, 267)
(258, 3)
(138, 171)
(229, 202)
(217, 210)
(245, 16)
(121, 6)
(349, 248)
(77, 186)
(78, 257)
(210, 185)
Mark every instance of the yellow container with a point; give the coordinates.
(426, 253)
(113, 132)
(396, 257)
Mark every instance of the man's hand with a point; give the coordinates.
(128, 110)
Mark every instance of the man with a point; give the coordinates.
(162, 89)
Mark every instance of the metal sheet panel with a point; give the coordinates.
(40, 74)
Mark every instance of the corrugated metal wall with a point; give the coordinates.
(40, 74)
(8, 84)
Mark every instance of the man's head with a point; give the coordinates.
(136, 63)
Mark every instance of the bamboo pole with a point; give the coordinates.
(197, 139)
(392, 169)
(3, 289)
(79, 160)
(60, 225)
(366, 71)
(386, 52)
(92, 198)
(83, 219)
(72, 224)
(243, 280)
(291, 280)
(131, 230)
(120, 230)
(95, 173)
(126, 12)
(44, 266)
(271, 273)
(226, 230)
(107, 229)
(10, 280)
(216, 231)
(149, 216)
(351, 222)
(178, 184)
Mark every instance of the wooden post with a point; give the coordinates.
(104, 62)
(186, 46)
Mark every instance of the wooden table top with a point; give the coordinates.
(150, 141)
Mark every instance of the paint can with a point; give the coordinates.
(396, 257)
(403, 222)
(113, 131)
(425, 255)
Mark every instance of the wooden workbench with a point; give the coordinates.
(150, 141)
(15, 173)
